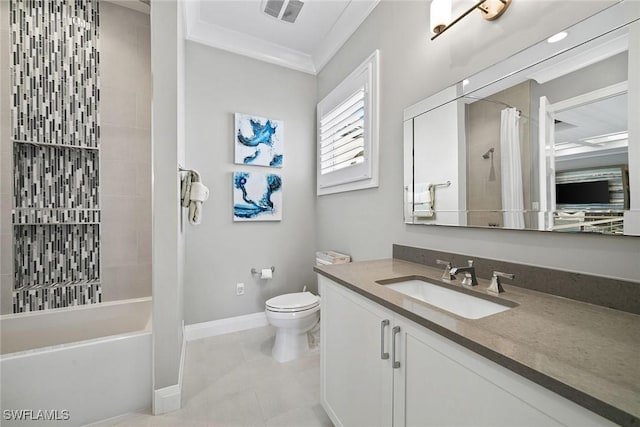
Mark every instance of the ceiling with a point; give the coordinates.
(242, 27)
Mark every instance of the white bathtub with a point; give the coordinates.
(82, 363)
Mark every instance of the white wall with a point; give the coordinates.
(219, 252)
(167, 148)
(413, 68)
(438, 131)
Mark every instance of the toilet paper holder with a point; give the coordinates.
(255, 271)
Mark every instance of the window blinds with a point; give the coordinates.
(342, 134)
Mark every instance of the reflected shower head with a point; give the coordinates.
(488, 153)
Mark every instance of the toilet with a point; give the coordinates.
(293, 315)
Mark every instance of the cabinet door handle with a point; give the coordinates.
(383, 355)
(395, 331)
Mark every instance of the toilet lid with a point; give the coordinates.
(297, 301)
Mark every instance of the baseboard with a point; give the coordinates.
(167, 399)
(182, 356)
(225, 326)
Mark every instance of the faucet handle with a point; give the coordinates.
(496, 287)
(470, 262)
(446, 274)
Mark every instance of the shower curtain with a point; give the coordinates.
(511, 165)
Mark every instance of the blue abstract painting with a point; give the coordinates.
(257, 196)
(258, 141)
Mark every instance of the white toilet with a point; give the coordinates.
(293, 315)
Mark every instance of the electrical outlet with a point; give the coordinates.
(239, 288)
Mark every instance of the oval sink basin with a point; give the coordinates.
(459, 303)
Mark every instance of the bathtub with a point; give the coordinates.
(76, 365)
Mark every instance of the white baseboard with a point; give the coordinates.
(225, 326)
(182, 356)
(167, 399)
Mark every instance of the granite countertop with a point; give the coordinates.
(586, 353)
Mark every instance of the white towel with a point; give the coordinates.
(422, 200)
(422, 211)
(193, 193)
(421, 193)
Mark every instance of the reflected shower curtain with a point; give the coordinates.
(511, 168)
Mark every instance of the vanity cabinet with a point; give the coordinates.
(426, 380)
(356, 385)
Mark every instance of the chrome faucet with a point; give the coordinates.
(446, 274)
(469, 274)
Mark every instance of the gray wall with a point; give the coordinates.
(413, 68)
(125, 152)
(168, 150)
(219, 252)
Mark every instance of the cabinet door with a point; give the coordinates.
(440, 383)
(356, 382)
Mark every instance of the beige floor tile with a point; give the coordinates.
(283, 396)
(232, 380)
(300, 417)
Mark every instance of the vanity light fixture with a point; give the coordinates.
(557, 37)
(441, 13)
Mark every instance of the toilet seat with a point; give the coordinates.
(292, 303)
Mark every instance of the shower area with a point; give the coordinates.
(494, 188)
(75, 290)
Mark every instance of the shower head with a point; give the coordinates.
(488, 153)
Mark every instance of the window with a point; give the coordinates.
(347, 126)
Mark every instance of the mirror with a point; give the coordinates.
(539, 141)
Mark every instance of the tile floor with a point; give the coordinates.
(231, 380)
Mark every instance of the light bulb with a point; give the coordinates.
(440, 15)
(557, 37)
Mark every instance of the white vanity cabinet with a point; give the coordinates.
(427, 380)
(356, 385)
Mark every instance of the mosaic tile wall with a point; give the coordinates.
(54, 177)
(58, 297)
(55, 133)
(55, 71)
(50, 255)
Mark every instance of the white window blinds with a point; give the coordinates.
(342, 135)
(347, 132)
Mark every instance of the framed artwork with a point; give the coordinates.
(257, 196)
(258, 141)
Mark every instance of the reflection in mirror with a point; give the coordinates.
(545, 147)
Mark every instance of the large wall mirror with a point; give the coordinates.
(540, 141)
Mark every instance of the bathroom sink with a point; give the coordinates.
(459, 303)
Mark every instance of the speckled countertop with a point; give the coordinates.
(586, 353)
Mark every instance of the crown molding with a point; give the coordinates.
(349, 21)
(197, 30)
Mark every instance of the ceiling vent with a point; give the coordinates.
(285, 10)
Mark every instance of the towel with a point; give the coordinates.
(193, 194)
(423, 200)
(421, 194)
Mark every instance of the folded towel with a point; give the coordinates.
(422, 197)
(423, 200)
(199, 192)
(193, 193)
(423, 210)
